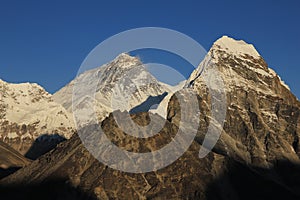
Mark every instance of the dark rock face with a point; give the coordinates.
(48, 190)
(256, 157)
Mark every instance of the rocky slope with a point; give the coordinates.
(28, 112)
(70, 161)
(256, 157)
(262, 115)
(10, 158)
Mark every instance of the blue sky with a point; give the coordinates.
(46, 41)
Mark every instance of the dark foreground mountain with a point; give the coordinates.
(256, 157)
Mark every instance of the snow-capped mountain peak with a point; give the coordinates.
(236, 47)
(123, 62)
(239, 65)
(27, 111)
(126, 59)
(124, 76)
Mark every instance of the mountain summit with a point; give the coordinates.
(111, 83)
(235, 47)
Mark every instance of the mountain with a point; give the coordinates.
(262, 114)
(27, 113)
(110, 94)
(256, 156)
(71, 162)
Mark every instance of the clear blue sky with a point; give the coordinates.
(46, 41)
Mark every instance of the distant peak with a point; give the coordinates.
(124, 55)
(237, 47)
(127, 57)
(125, 60)
(21, 85)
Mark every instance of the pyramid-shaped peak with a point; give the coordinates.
(125, 60)
(124, 55)
(237, 47)
(127, 57)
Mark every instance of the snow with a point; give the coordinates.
(29, 103)
(271, 115)
(281, 81)
(174, 88)
(262, 72)
(233, 80)
(12, 135)
(162, 108)
(236, 47)
(123, 77)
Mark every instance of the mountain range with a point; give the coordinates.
(256, 157)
